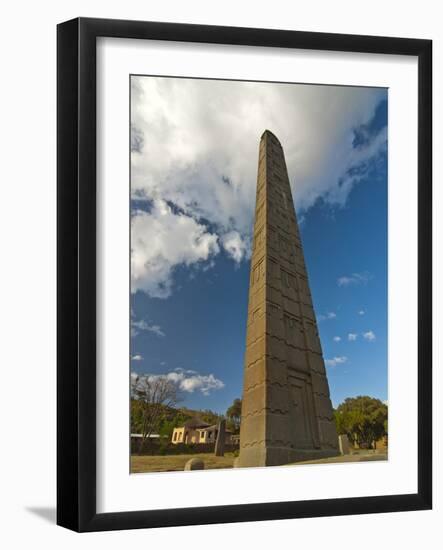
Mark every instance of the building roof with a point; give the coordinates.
(195, 423)
(215, 427)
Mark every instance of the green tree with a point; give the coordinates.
(136, 416)
(233, 414)
(364, 419)
(209, 416)
(166, 427)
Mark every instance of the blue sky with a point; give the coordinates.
(193, 175)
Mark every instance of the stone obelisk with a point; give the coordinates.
(286, 409)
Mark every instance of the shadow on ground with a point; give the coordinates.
(46, 513)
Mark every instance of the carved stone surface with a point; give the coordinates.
(286, 409)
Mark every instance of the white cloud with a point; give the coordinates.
(236, 246)
(329, 315)
(354, 279)
(134, 377)
(161, 240)
(362, 312)
(188, 381)
(142, 325)
(336, 361)
(196, 132)
(337, 339)
(186, 371)
(137, 357)
(370, 336)
(195, 145)
(352, 337)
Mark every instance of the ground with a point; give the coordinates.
(355, 456)
(172, 463)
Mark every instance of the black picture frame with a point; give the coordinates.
(76, 280)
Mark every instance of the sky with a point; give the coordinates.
(194, 154)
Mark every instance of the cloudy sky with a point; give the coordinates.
(194, 152)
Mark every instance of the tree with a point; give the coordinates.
(363, 419)
(233, 414)
(153, 395)
(209, 416)
(166, 427)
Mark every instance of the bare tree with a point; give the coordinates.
(155, 393)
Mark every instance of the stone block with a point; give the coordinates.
(254, 374)
(221, 437)
(252, 431)
(255, 351)
(276, 348)
(343, 444)
(296, 359)
(319, 383)
(328, 434)
(257, 327)
(274, 296)
(277, 398)
(312, 339)
(195, 464)
(279, 430)
(256, 298)
(291, 306)
(286, 412)
(323, 407)
(316, 362)
(275, 371)
(254, 400)
(274, 321)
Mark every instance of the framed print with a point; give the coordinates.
(244, 274)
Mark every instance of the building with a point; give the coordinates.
(190, 432)
(195, 431)
(286, 408)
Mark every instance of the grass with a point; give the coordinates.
(175, 463)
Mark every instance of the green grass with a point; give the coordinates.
(174, 463)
